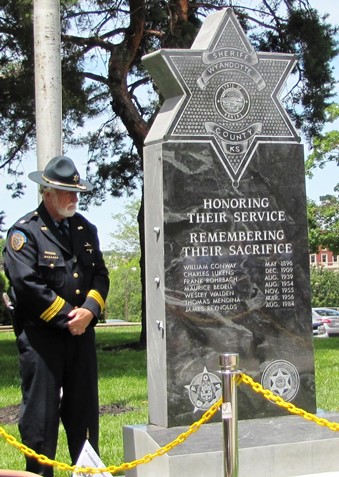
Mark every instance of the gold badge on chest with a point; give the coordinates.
(88, 247)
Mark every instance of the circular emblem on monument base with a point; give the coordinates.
(282, 378)
(232, 101)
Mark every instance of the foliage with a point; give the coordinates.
(323, 224)
(124, 297)
(325, 287)
(2, 246)
(103, 76)
(126, 237)
(3, 283)
(4, 316)
(2, 217)
(325, 146)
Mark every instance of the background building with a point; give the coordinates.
(325, 258)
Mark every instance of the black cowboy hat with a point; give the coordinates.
(61, 173)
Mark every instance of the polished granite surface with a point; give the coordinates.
(227, 267)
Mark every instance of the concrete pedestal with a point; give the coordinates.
(283, 446)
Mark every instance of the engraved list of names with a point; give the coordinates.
(220, 237)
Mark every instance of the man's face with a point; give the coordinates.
(61, 203)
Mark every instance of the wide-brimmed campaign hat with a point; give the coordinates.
(61, 173)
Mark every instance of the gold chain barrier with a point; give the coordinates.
(112, 468)
(333, 426)
(240, 378)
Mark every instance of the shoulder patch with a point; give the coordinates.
(17, 240)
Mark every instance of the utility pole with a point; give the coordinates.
(48, 96)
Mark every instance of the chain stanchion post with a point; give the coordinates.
(229, 412)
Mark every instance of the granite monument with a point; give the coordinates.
(227, 266)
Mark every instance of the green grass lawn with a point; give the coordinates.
(327, 372)
(123, 390)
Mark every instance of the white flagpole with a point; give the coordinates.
(48, 93)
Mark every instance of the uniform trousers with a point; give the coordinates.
(59, 380)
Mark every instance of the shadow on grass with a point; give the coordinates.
(10, 414)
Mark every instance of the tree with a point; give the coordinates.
(325, 287)
(103, 44)
(124, 297)
(2, 216)
(325, 146)
(323, 218)
(2, 246)
(4, 315)
(126, 236)
(323, 224)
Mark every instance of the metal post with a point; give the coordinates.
(229, 412)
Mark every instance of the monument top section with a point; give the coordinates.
(223, 92)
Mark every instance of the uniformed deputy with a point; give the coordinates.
(60, 283)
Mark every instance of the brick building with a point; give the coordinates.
(325, 258)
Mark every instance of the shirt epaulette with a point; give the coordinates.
(27, 218)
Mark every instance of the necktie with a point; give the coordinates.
(64, 230)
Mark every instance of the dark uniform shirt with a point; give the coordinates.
(51, 275)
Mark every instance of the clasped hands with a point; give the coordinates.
(80, 318)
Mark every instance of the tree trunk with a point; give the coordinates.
(143, 337)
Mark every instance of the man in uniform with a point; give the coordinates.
(60, 283)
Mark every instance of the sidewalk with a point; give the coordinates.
(107, 324)
(117, 322)
(325, 474)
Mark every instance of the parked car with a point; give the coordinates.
(316, 321)
(325, 321)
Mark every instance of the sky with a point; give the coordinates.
(323, 181)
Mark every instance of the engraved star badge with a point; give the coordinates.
(223, 92)
(204, 390)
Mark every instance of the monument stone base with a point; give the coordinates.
(286, 446)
